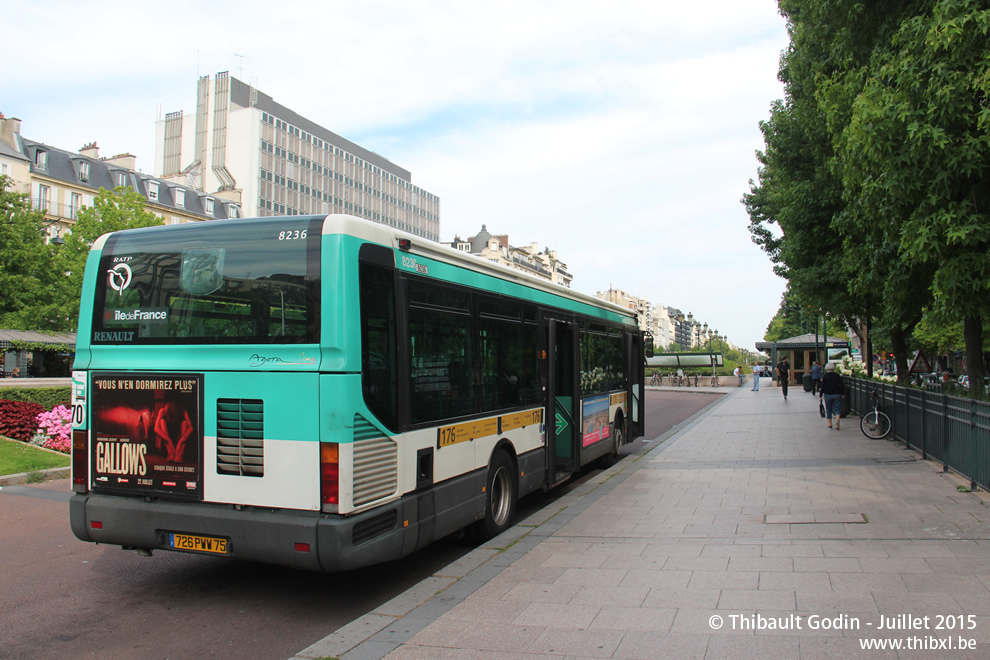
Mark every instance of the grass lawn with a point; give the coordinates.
(16, 456)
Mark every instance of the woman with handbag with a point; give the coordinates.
(833, 391)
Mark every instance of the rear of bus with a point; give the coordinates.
(216, 390)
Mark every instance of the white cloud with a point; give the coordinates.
(621, 133)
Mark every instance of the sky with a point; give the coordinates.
(621, 133)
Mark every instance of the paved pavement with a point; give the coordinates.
(750, 531)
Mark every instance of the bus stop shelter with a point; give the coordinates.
(36, 354)
(802, 351)
(685, 360)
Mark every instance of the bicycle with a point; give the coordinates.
(875, 424)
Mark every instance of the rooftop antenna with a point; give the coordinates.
(240, 70)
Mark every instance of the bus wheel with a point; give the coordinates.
(500, 498)
(618, 439)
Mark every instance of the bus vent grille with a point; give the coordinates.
(375, 526)
(376, 468)
(365, 430)
(241, 437)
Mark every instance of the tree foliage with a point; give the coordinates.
(875, 164)
(42, 282)
(26, 274)
(111, 211)
(795, 318)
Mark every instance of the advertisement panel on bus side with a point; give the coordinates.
(594, 419)
(147, 433)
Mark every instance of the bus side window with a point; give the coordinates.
(441, 368)
(379, 341)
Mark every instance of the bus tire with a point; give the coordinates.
(501, 491)
(618, 439)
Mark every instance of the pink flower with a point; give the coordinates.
(55, 424)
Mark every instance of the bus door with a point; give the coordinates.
(635, 363)
(563, 418)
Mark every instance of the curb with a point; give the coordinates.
(47, 475)
(449, 585)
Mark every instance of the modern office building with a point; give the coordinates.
(241, 142)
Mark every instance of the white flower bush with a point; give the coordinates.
(857, 369)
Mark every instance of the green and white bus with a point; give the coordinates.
(325, 392)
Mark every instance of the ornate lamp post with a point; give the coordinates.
(57, 238)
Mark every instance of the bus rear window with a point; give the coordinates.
(231, 282)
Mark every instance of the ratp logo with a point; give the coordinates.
(119, 278)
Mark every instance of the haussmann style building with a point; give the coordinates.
(529, 259)
(61, 182)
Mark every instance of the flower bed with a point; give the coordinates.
(55, 430)
(30, 422)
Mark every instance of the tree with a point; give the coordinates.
(876, 157)
(785, 323)
(938, 335)
(918, 140)
(26, 274)
(111, 211)
(800, 189)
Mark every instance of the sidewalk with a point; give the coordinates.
(751, 532)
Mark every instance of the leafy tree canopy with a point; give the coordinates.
(875, 166)
(26, 274)
(111, 211)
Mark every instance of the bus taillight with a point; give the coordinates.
(329, 476)
(80, 464)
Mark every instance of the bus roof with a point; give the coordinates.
(419, 246)
(408, 243)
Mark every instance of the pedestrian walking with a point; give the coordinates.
(816, 377)
(833, 391)
(783, 375)
(756, 377)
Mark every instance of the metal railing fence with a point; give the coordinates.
(952, 430)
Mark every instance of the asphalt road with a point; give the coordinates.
(60, 597)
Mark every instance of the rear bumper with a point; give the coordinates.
(278, 536)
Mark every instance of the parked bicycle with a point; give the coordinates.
(875, 424)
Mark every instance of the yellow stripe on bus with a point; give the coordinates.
(521, 419)
(448, 436)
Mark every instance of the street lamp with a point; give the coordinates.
(714, 356)
(57, 239)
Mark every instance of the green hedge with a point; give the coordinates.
(47, 397)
